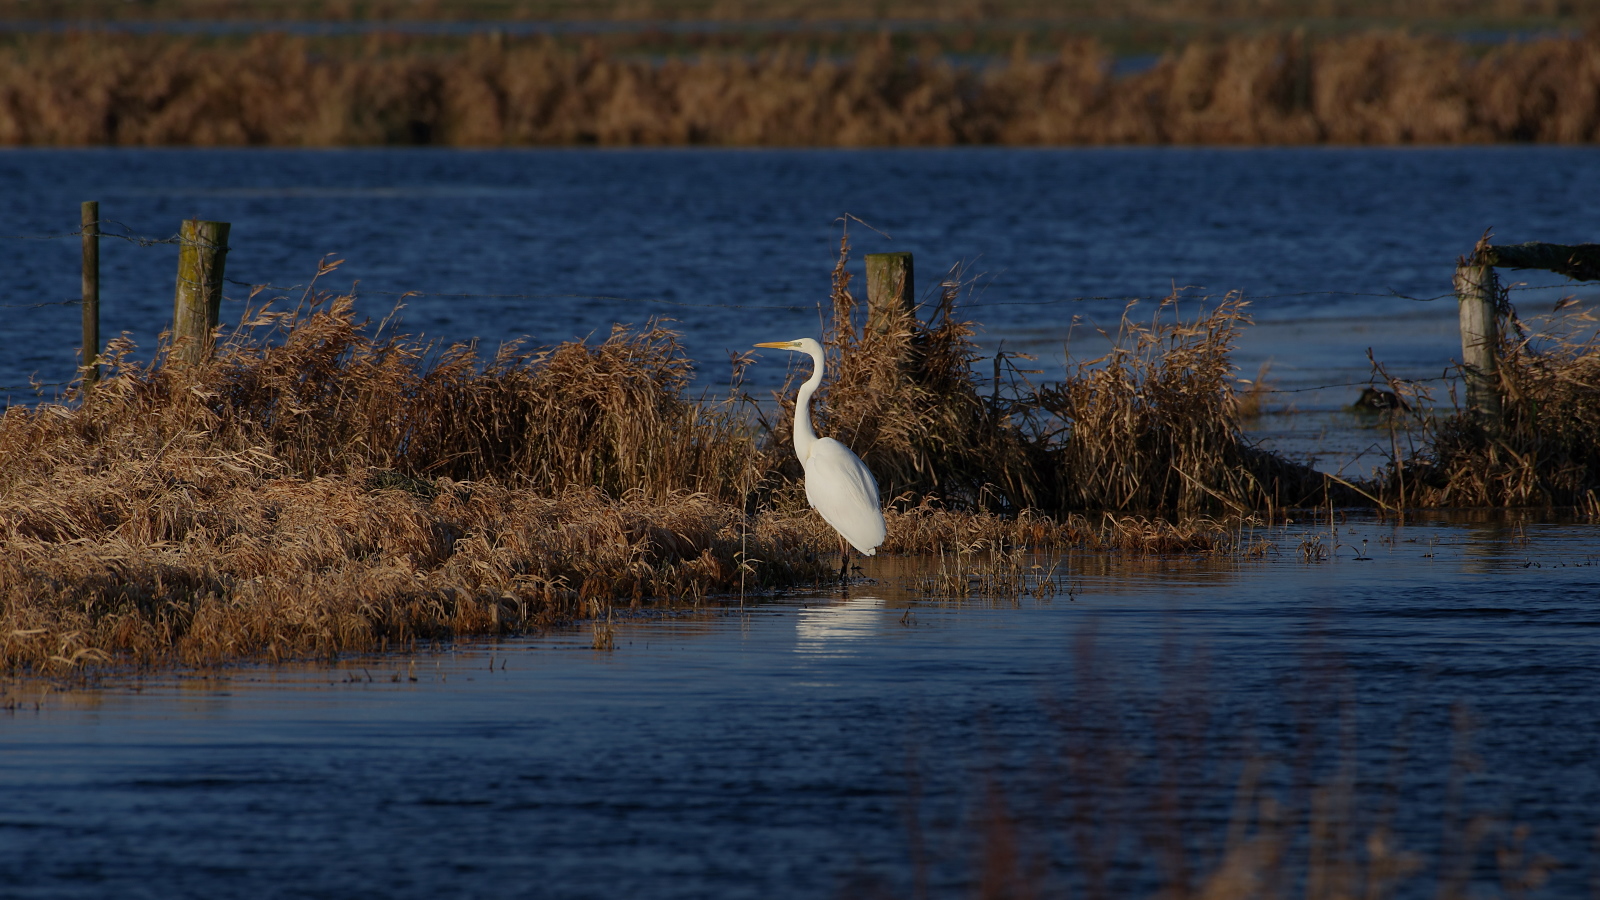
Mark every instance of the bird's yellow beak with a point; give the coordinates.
(780, 345)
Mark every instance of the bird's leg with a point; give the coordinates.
(844, 565)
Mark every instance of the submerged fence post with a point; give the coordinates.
(202, 252)
(1478, 291)
(90, 221)
(891, 290)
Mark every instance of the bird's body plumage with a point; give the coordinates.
(839, 485)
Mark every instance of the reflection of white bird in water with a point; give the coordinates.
(818, 627)
(838, 484)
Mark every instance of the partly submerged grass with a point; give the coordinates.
(1544, 450)
(319, 487)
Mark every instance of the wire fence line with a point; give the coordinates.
(795, 307)
(128, 234)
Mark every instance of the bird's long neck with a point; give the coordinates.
(804, 434)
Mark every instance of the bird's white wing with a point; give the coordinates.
(841, 488)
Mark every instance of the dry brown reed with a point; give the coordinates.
(314, 489)
(318, 487)
(1369, 88)
(904, 395)
(1155, 424)
(1545, 449)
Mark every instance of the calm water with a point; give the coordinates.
(737, 245)
(771, 753)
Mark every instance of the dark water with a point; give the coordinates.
(737, 245)
(772, 753)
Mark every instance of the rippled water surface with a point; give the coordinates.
(737, 245)
(771, 752)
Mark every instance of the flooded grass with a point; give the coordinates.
(320, 486)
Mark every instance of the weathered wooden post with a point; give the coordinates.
(891, 291)
(90, 219)
(1477, 291)
(202, 253)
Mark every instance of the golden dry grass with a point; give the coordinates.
(318, 487)
(1369, 88)
(1544, 452)
(314, 490)
(1155, 424)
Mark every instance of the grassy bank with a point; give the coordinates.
(322, 486)
(1382, 87)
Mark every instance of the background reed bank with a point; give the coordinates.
(1287, 88)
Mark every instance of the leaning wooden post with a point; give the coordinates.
(1478, 292)
(891, 291)
(90, 219)
(202, 252)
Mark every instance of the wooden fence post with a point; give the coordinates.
(202, 253)
(90, 220)
(1478, 291)
(891, 290)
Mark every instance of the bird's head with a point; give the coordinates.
(803, 345)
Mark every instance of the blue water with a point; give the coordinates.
(737, 245)
(775, 751)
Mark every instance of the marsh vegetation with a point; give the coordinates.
(323, 485)
(793, 89)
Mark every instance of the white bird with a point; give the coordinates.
(838, 484)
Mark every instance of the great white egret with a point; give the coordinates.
(838, 484)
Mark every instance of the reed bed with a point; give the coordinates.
(1544, 451)
(317, 489)
(961, 12)
(1382, 87)
(1152, 426)
(1155, 423)
(319, 485)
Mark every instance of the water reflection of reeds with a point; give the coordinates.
(1177, 794)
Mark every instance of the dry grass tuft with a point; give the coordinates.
(1545, 451)
(1155, 424)
(315, 490)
